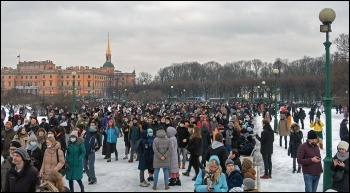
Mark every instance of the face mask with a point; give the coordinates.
(33, 143)
(150, 134)
(49, 135)
(91, 128)
(181, 125)
(72, 139)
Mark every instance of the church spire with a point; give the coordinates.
(108, 52)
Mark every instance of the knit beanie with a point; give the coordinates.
(32, 137)
(230, 124)
(249, 183)
(229, 161)
(311, 135)
(343, 145)
(23, 153)
(74, 133)
(15, 144)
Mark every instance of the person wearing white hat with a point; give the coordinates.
(340, 165)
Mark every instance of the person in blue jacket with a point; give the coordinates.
(214, 180)
(112, 133)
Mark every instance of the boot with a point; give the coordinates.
(294, 170)
(183, 166)
(126, 157)
(116, 156)
(106, 157)
(167, 187)
(179, 164)
(299, 169)
(82, 188)
(178, 182)
(154, 187)
(172, 182)
(264, 176)
(150, 178)
(109, 160)
(186, 173)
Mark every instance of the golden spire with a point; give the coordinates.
(108, 51)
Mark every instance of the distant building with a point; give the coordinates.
(45, 78)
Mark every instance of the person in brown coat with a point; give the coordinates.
(50, 156)
(283, 130)
(247, 169)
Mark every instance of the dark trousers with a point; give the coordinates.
(190, 165)
(302, 123)
(104, 145)
(194, 160)
(267, 163)
(111, 147)
(285, 141)
(71, 186)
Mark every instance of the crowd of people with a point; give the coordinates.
(210, 138)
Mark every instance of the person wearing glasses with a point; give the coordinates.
(7, 163)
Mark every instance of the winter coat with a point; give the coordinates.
(134, 133)
(182, 133)
(234, 179)
(92, 142)
(295, 139)
(50, 158)
(6, 138)
(33, 128)
(343, 185)
(219, 150)
(161, 147)
(226, 136)
(22, 139)
(126, 130)
(282, 128)
(145, 151)
(37, 157)
(248, 148)
(112, 134)
(296, 117)
(5, 167)
(317, 126)
(174, 164)
(266, 140)
(221, 186)
(61, 137)
(305, 152)
(45, 125)
(75, 154)
(24, 181)
(249, 173)
(205, 138)
(195, 146)
(343, 131)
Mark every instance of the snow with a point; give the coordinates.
(117, 176)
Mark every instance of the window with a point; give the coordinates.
(89, 84)
(67, 76)
(9, 77)
(61, 83)
(31, 77)
(21, 77)
(35, 83)
(50, 76)
(78, 76)
(35, 77)
(43, 83)
(50, 83)
(67, 83)
(9, 83)
(43, 76)
(78, 83)
(88, 76)
(61, 76)
(26, 77)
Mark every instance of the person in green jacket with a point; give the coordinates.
(74, 158)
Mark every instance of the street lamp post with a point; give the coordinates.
(327, 16)
(171, 93)
(184, 95)
(275, 71)
(263, 94)
(73, 75)
(126, 96)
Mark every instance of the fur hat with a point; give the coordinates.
(218, 137)
(47, 187)
(15, 144)
(249, 183)
(343, 145)
(229, 161)
(32, 137)
(23, 153)
(311, 135)
(74, 133)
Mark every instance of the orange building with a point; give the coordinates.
(45, 78)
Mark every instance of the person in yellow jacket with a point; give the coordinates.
(318, 128)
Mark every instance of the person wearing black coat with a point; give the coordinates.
(266, 150)
(343, 131)
(206, 140)
(248, 147)
(44, 125)
(217, 148)
(195, 148)
(295, 141)
(24, 180)
(183, 136)
(296, 116)
(35, 153)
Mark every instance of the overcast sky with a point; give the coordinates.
(147, 36)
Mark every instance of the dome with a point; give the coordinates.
(108, 65)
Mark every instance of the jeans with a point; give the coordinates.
(156, 173)
(228, 148)
(267, 163)
(89, 166)
(311, 182)
(133, 144)
(184, 154)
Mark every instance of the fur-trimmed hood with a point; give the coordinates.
(295, 127)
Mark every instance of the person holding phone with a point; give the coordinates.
(309, 157)
(341, 163)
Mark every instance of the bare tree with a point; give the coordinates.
(144, 78)
(342, 43)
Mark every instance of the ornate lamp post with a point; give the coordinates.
(185, 95)
(327, 16)
(73, 86)
(171, 93)
(275, 71)
(263, 94)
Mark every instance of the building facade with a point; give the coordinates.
(45, 78)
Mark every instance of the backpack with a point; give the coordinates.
(203, 174)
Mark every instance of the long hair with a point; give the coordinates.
(213, 176)
(55, 178)
(197, 133)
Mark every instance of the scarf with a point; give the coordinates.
(343, 156)
(31, 148)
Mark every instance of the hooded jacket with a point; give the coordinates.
(174, 167)
(24, 181)
(161, 147)
(50, 158)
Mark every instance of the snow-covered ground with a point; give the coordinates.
(117, 176)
